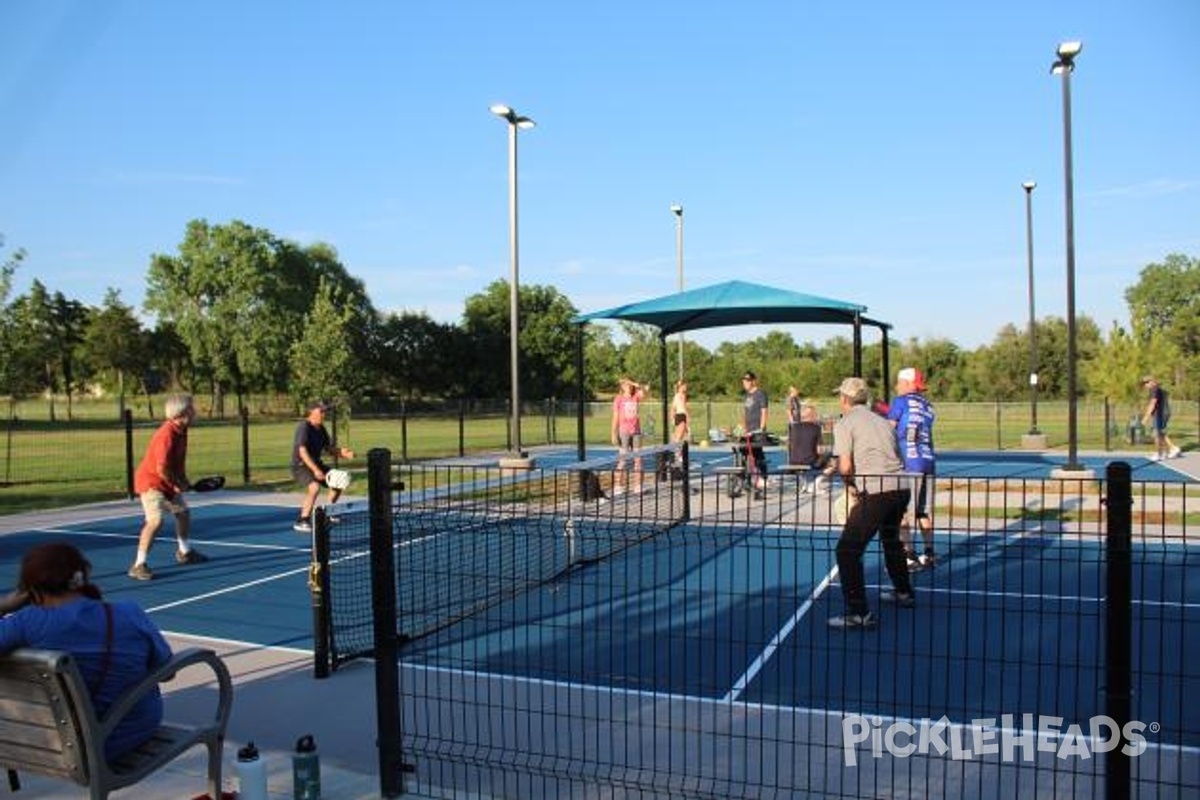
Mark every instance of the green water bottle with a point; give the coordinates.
(306, 770)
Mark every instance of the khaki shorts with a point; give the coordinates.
(155, 504)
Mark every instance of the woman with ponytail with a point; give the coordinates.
(115, 645)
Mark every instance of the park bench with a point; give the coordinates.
(48, 725)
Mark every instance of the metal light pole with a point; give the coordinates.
(515, 121)
(1065, 65)
(677, 210)
(1029, 186)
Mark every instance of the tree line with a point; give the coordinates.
(237, 311)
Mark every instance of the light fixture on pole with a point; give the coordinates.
(1029, 186)
(1065, 65)
(677, 210)
(515, 121)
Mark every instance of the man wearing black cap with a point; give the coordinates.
(754, 425)
(308, 445)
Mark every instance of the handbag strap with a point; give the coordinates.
(106, 657)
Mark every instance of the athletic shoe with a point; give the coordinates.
(902, 599)
(190, 557)
(914, 563)
(928, 559)
(821, 485)
(141, 572)
(302, 526)
(759, 494)
(1156, 457)
(1176, 452)
(852, 621)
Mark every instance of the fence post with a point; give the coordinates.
(508, 444)
(1107, 424)
(462, 427)
(127, 415)
(9, 424)
(404, 431)
(1118, 667)
(383, 601)
(549, 416)
(999, 440)
(245, 445)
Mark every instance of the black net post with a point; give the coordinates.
(318, 589)
(383, 601)
(127, 416)
(1119, 624)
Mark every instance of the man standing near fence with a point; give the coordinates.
(1158, 416)
(869, 461)
(160, 481)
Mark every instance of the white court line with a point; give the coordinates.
(229, 589)
(191, 539)
(757, 665)
(1041, 597)
(603, 689)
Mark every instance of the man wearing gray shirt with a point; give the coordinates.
(871, 467)
(754, 424)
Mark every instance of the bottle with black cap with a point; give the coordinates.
(251, 773)
(306, 770)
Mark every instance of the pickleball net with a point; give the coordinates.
(464, 538)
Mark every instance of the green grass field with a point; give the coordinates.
(47, 464)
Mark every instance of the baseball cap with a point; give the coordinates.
(853, 388)
(749, 376)
(321, 404)
(913, 376)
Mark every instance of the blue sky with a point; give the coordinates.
(866, 151)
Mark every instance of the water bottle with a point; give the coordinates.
(306, 770)
(251, 774)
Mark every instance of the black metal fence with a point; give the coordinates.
(41, 455)
(1054, 651)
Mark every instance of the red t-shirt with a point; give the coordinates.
(166, 454)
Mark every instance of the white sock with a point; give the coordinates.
(141, 558)
(184, 547)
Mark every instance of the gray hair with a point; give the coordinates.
(177, 405)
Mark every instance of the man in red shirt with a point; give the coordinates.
(160, 481)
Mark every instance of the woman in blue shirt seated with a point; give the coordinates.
(115, 645)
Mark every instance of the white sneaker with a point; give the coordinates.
(1176, 452)
(1155, 457)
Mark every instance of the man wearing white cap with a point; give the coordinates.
(912, 415)
(873, 472)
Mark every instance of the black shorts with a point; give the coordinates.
(681, 419)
